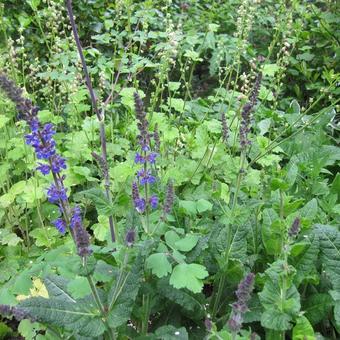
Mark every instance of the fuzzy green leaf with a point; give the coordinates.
(159, 264)
(83, 316)
(188, 276)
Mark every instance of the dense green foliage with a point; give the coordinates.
(271, 207)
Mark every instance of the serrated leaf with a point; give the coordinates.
(188, 276)
(181, 297)
(57, 288)
(159, 264)
(82, 317)
(170, 332)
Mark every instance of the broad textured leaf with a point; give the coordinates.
(57, 288)
(123, 293)
(303, 330)
(276, 320)
(317, 307)
(272, 232)
(82, 317)
(170, 332)
(279, 297)
(103, 206)
(159, 264)
(181, 297)
(188, 276)
(305, 263)
(330, 252)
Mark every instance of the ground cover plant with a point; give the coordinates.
(169, 169)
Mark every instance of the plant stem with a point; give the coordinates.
(98, 301)
(100, 115)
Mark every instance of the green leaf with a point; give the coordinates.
(82, 317)
(44, 237)
(177, 104)
(188, 276)
(303, 330)
(79, 287)
(305, 263)
(279, 297)
(317, 307)
(103, 206)
(272, 232)
(187, 243)
(189, 207)
(276, 320)
(57, 288)
(270, 69)
(329, 237)
(182, 298)
(159, 264)
(123, 292)
(203, 205)
(170, 332)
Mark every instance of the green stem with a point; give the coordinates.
(98, 302)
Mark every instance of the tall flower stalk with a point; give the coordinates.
(100, 116)
(146, 158)
(42, 140)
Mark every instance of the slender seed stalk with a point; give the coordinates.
(100, 115)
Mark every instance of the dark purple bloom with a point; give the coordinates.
(295, 228)
(246, 113)
(18, 313)
(58, 163)
(143, 125)
(153, 201)
(130, 237)
(60, 225)
(43, 168)
(239, 307)
(169, 198)
(140, 205)
(208, 324)
(139, 158)
(151, 158)
(76, 217)
(56, 194)
(145, 177)
(81, 236)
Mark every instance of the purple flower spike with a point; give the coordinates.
(239, 307)
(139, 158)
(82, 238)
(58, 164)
(43, 168)
(295, 228)
(60, 225)
(130, 237)
(140, 205)
(152, 157)
(153, 201)
(55, 195)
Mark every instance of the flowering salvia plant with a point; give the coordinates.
(179, 180)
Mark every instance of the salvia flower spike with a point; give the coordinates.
(246, 113)
(239, 307)
(42, 140)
